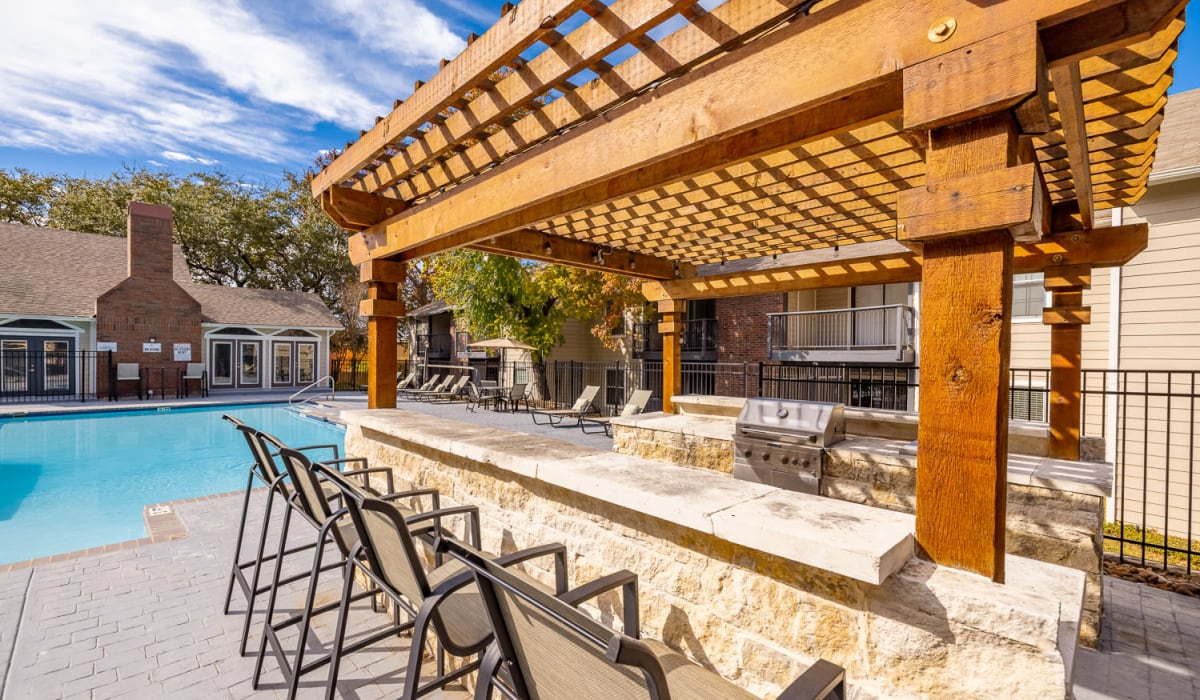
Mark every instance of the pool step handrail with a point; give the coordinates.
(332, 393)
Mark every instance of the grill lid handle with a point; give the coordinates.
(781, 413)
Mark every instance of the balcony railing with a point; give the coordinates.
(699, 338)
(439, 345)
(866, 334)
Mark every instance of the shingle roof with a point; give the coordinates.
(51, 272)
(433, 308)
(1179, 142)
(268, 307)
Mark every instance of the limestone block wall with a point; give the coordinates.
(760, 619)
(1056, 526)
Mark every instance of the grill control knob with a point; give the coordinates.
(766, 456)
(747, 452)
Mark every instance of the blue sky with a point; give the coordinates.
(250, 88)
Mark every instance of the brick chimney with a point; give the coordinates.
(148, 247)
(148, 314)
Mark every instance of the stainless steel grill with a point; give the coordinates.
(782, 443)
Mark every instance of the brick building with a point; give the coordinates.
(73, 305)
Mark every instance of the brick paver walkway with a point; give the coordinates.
(1149, 646)
(146, 622)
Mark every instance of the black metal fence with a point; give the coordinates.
(1149, 421)
(34, 375)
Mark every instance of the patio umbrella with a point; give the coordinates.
(502, 344)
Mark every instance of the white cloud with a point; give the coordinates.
(401, 27)
(185, 158)
(188, 76)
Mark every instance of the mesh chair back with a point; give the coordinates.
(195, 370)
(460, 384)
(637, 402)
(517, 392)
(389, 547)
(311, 496)
(586, 398)
(263, 462)
(128, 370)
(555, 650)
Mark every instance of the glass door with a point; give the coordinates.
(14, 374)
(249, 352)
(56, 370)
(222, 363)
(306, 363)
(282, 354)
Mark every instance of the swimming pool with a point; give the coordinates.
(76, 481)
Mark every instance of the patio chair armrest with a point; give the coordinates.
(557, 549)
(388, 476)
(306, 448)
(821, 680)
(434, 496)
(633, 652)
(624, 579)
(341, 463)
(436, 516)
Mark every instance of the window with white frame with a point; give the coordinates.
(1029, 297)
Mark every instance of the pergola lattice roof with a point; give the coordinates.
(549, 68)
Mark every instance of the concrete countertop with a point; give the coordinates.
(853, 540)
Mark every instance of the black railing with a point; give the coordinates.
(1149, 422)
(435, 345)
(35, 375)
(699, 336)
(864, 386)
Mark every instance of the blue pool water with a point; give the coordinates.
(73, 482)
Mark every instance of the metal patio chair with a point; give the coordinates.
(127, 372)
(195, 372)
(317, 500)
(545, 649)
(582, 406)
(636, 404)
(441, 600)
(513, 398)
(264, 448)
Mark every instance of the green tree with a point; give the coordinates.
(25, 197)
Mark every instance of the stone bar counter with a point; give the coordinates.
(1055, 507)
(750, 580)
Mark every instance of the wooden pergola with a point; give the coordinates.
(825, 144)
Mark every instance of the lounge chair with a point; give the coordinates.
(127, 372)
(441, 600)
(635, 405)
(457, 388)
(407, 382)
(196, 372)
(548, 649)
(582, 406)
(427, 386)
(440, 387)
(315, 505)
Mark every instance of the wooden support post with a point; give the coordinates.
(382, 307)
(966, 302)
(670, 325)
(1066, 318)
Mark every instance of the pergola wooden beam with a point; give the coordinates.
(886, 262)
(355, 210)
(848, 81)
(532, 245)
(499, 45)
(1069, 95)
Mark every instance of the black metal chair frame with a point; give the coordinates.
(316, 511)
(264, 471)
(501, 664)
(365, 562)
